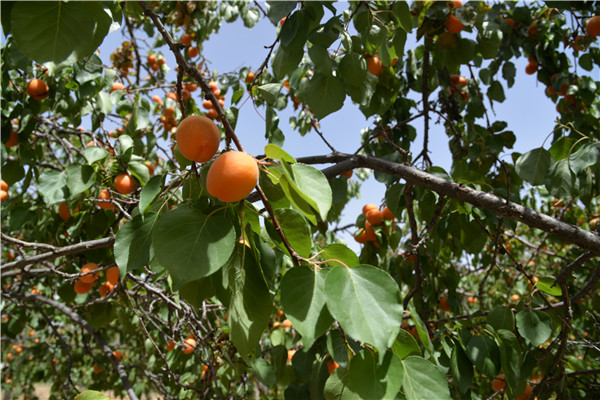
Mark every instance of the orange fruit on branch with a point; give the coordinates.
(189, 345)
(198, 138)
(3, 185)
(105, 195)
(81, 287)
(112, 275)
(117, 86)
(453, 24)
(38, 89)
(592, 27)
(13, 139)
(249, 77)
(63, 211)
(369, 207)
(375, 217)
(232, 176)
(118, 355)
(186, 39)
(124, 184)
(89, 278)
(106, 288)
(375, 65)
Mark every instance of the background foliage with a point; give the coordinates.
(483, 284)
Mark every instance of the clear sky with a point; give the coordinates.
(529, 113)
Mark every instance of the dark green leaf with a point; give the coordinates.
(535, 326)
(325, 94)
(501, 317)
(132, 243)
(485, 354)
(533, 165)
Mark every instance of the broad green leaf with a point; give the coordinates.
(365, 300)
(484, 353)
(461, 368)
(302, 294)
(55, 31)
(251, 305)
(496, 92)
(52, 185)
(93, 154)
(250, 16)
(401, 10)
(325, 94)
(296, 231)
(338, 251)
(80, 178)
(548, 286)
(501, 317)
(535, 326)
(285, 60)
(586, 156)
(197, 291)
(405, 345)
(353, 68)
(560, 180)
(277, 153)
(312, 185)
(270, 92)
(511, 364)
(533, 166)
(337, 347)
(363, 376)
(150, 192)
(133, 242)
(336, 387)
(140, 171)
(297, 199)
(91, 395)
(421, 328)
(320, 58)
(104, 103)
(423, 381)
(264, 372)
(191, 245)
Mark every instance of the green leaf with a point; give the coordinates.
(196, 292)
(337, 347)
(250, 307)
(150, 192)
(560, 180)
(533, 165)
(509, 71)
(402, 11)
(302, 294)
(535, 326)
(270, 92)
(55, 31)
(496, 92)
(586, 156)
(104, 103)
(405, 345)
(52, 185)
(363, 376)
(296, 231)
(285, 60)
(548, 286)
(423, 381)
(353, 68)
(91, 395)
(191, 245)
(461, 368)
(325, 94)
(93, 154)
(310, 183)
(501, 317)
(485, 354)
(277, 153)
(338, 251)
(250, 17)
(365, 300)
(336, 387)
(320, 58)
(80, 178)
(421, 328)
(140, 171)
(133, 242)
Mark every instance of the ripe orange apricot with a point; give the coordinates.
(532, 67)
(170, 345)
(286, 323)
(515, 297)
(90, 278)
(81, 287)
(189, 345)
(117, 86)
(347, 174)
(370, 232)
(290, 355)
(249, 77)
(124, 184)
(38, 89)
(193, 51)
(387, 214)
(592, 28)
(13, 140)
(152, 59)
(105, 195)
(172, 96)
(510, 22)
(3, 185)
(198, 138)
(472, 299)
(63, 211)
(207, 104)
(498, 383)
(3, 196)
(112, 275)
(106, 288)
(444, 304)
(213, 85)
(331, 366)
(97, 369)
(232, 176)
(362, 237)
(212, 113)
(453, 24)
(118, 355)
(375, 217)
(186, 39)
(369, 207)
(185, 94)
(375, 65)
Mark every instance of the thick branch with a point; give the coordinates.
(59, 252)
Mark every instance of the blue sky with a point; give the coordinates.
(529, 113)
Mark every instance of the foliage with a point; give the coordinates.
(490, 268)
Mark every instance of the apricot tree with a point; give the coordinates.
(133, 266)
